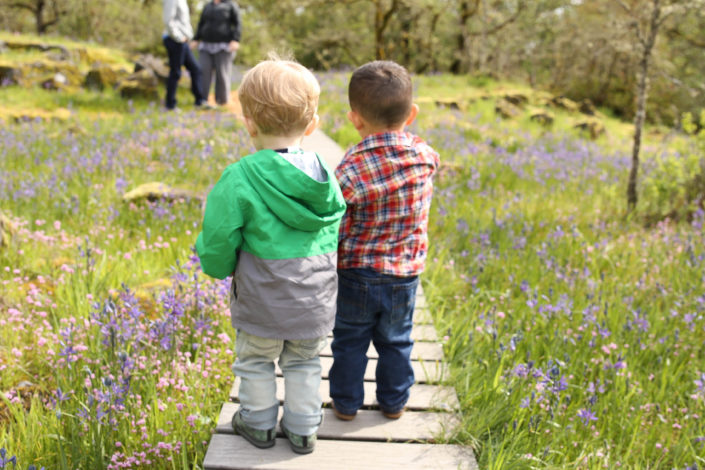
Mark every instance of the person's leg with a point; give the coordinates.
(301, 367)
(392, 339)
(207, 62)
(223, 76)
(175, 52)
(255, 367)
(354, 324)
(195, 71)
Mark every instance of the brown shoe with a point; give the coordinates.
(393, 415)
(340, 415)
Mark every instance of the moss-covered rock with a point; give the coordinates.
(592, 127)
(143, 84)
(10, 74)
(562, 102)
(506, 109)
(7, 230)
(20, 115)
(104, 76)
(545, 118)
(155, 190)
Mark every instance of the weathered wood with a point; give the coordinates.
(426, 350)
(232, 452)
(326, 147)
(369, 425)
(424, 371)
(422, 316)
(422, 396)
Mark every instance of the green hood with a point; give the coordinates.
(267, 207)
(297, 199)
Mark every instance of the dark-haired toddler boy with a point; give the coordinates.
(387, 184)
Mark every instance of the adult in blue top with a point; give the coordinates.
(218, 39)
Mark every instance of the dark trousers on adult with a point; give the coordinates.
(181, 56)
(219, 64)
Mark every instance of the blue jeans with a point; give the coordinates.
(301, 366)
(377, 307)
(180, 55)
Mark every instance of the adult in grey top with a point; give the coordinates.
(177, 33)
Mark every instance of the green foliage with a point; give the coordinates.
(674, 186)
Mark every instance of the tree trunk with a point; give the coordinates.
(38, 17)
(648, 41)
(459, 61)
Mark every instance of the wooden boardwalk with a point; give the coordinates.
(370, 441)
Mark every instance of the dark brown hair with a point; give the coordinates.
(381, 92)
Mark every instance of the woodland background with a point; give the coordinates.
(582, 49)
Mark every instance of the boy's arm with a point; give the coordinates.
(220, 238)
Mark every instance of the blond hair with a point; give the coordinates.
(280, 96)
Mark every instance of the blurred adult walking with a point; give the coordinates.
(177, 33)
(218, 39)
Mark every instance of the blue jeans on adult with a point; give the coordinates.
(180, 55)
(301, 367)
(380, 308)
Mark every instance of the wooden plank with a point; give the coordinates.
(422, 316)
(369, 425)
(422, 396)
(424, 371)
(324, 146)
(232, 452)
(426, 350)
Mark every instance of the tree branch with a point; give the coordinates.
(22, 5)
(500, 26)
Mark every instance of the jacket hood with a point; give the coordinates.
(294, 197)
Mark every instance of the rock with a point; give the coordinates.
(586, 107)
(57, 82)
(542, 117)
(39, 71)
(102, 76)
(517, 99)
(142, 84)
(59, 114)
(450, 104)
(593, 127)
(155, 64)
(10, 75)
(506, 109)
(564, 103)
(154, 191)
(7, 230)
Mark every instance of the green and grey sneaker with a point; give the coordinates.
(264, 439)
(299, 444)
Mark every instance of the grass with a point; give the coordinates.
(574, 334)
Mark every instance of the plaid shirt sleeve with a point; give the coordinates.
(387, 183)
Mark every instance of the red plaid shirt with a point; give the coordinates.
(387, 183)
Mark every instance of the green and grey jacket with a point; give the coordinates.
(275, 228)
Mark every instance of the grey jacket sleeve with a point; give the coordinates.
(176, 22)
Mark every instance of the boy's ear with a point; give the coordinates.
(412, 114)
(312, 125)
(355, 119)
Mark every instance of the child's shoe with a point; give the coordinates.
(299, 444)
(393, 414)
(264, 439)
(341, 416)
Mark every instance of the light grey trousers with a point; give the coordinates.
(219, 64)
